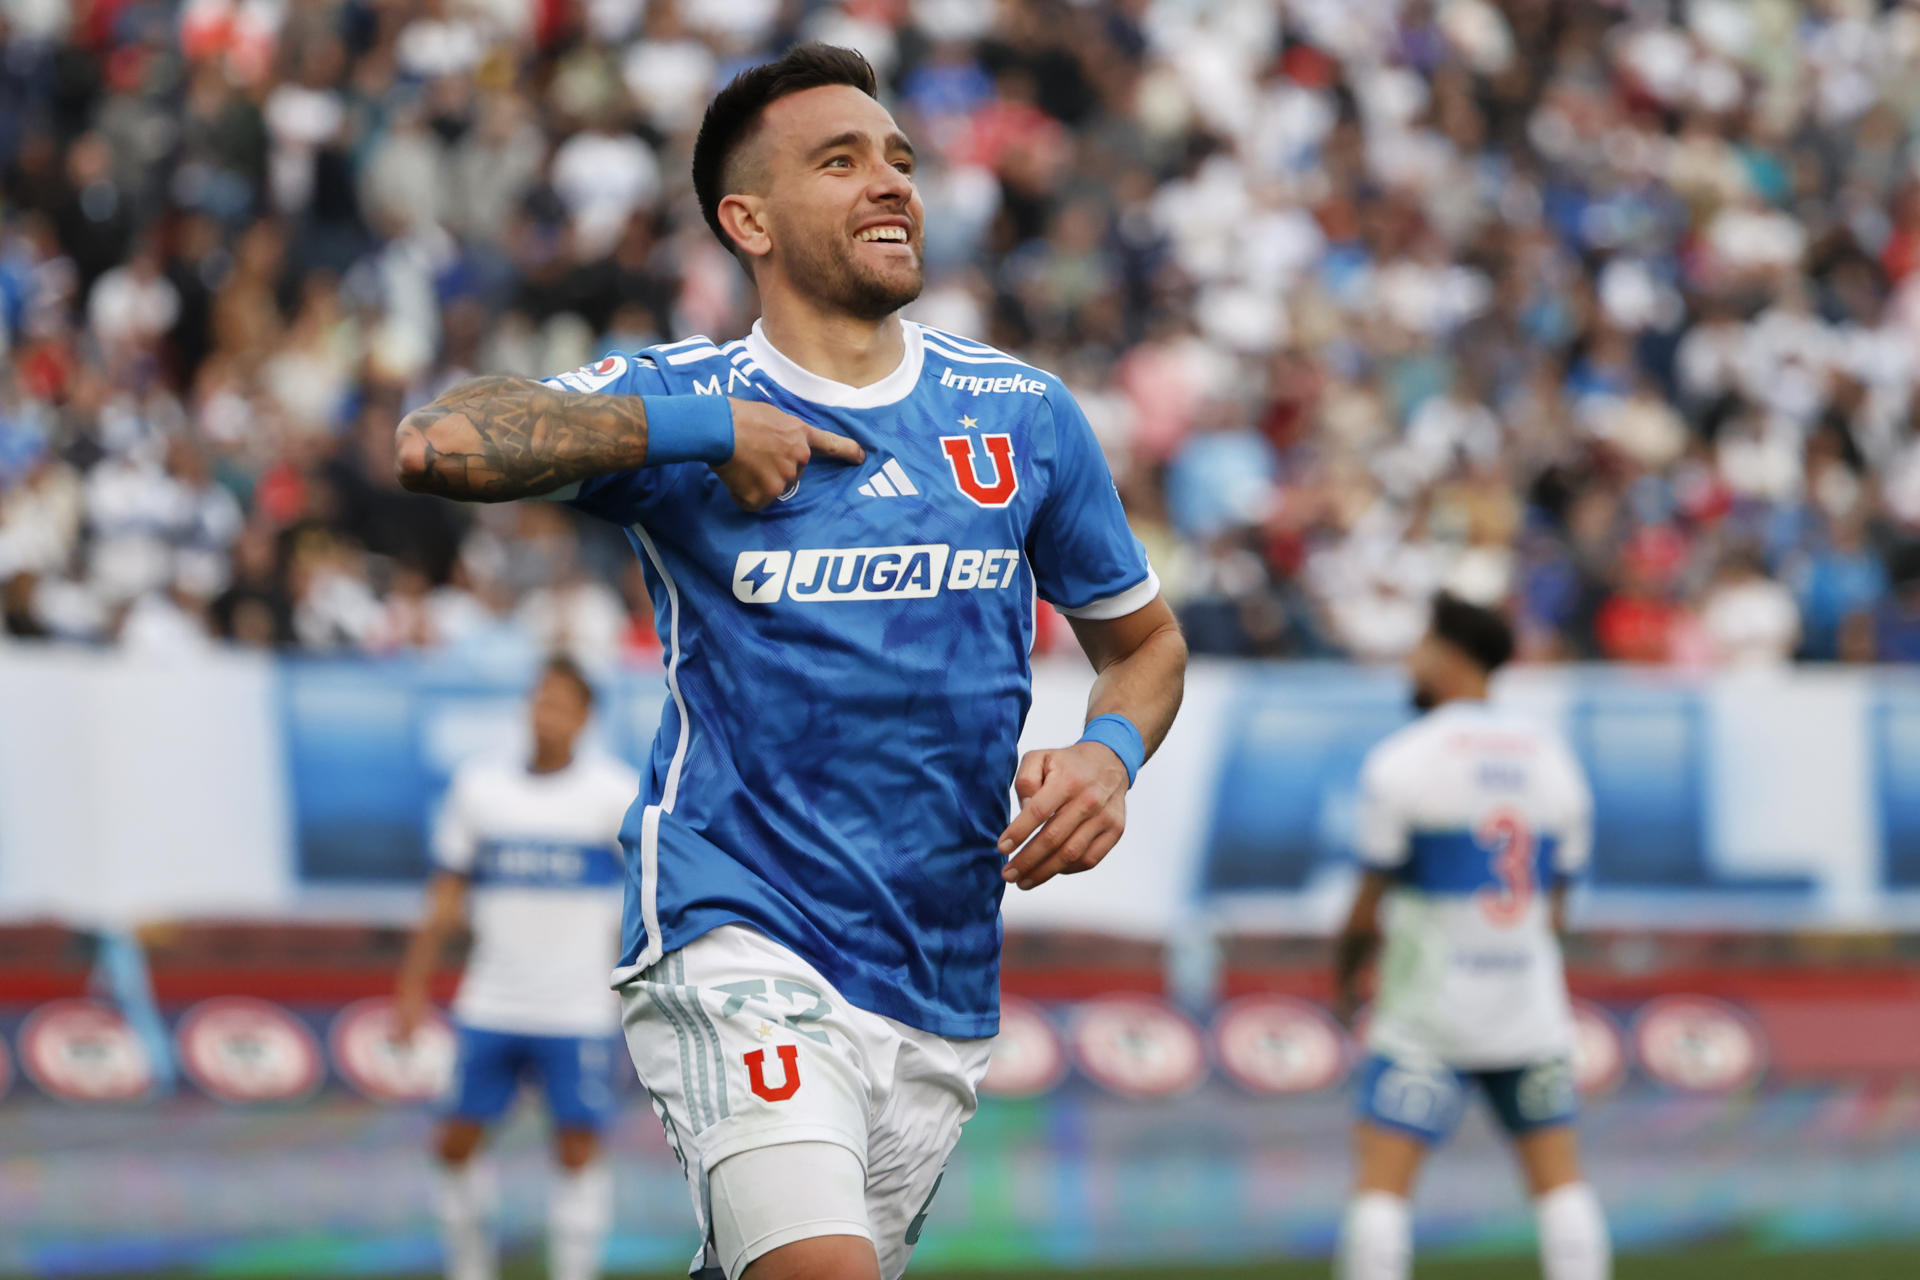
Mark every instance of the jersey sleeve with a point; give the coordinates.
(454, 837)
(1086, 561)
(622, 497)
(1574, 849)
(1381, 826)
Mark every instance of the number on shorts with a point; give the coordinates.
(819, 1009)
(738, 993)
(1509, 840)
(1546, 1091)
(755, 989)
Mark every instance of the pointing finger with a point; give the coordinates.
(825, 444)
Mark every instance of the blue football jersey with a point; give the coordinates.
(848, 668)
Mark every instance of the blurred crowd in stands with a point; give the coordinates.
(1607, 311)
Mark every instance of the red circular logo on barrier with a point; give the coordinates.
(1137, 1047)
(244, 1050)
(368, 1057)
(1599, 1051)
(1698, 1044)
(84, 1051)
(1028, 1058)
(1278, 1045)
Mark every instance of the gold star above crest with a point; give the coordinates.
(763, 1030)
(968, 423)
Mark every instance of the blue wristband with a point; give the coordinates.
(1118, 734)
(688, 429)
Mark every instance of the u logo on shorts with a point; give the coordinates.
(756, 1073)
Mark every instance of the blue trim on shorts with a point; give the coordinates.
(575, 1073)
(1427, 1103)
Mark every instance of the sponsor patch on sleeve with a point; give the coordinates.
(590, 377)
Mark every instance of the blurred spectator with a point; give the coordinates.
(577, 615)
(1553, 304)
(132, 305)
(254, 611)
(602, 175)
(1750, 620)
(1641, 621)
(1837, 581)
(164, 624)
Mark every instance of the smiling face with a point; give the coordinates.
(825, 204)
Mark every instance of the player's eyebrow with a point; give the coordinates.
(895, 141)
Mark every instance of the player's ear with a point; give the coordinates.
(743, 217)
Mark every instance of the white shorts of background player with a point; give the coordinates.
(745, 1047)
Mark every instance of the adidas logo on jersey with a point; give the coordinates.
(835, 575)
(890, 481)
(992, 386)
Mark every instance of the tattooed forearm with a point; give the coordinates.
(495, 438)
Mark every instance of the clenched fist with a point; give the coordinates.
(771, 449)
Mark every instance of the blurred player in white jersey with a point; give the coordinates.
(528, 853)
(1472, 822)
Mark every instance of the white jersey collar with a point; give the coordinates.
(891, 389)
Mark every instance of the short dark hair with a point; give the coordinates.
(1480, 633)
(734, 113)
(566, 668)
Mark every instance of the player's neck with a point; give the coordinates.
(835, 346)
(550, 761)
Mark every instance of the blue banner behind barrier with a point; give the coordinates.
(1284, 801)
(1785, 800)
(1683, 778)
(1793, 800)
(371, 748)
(357, 775)
(1896, 751)
(1644, 751)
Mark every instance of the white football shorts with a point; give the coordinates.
(745, 1046)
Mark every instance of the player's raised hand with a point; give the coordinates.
(1075, 799)
(771, 449)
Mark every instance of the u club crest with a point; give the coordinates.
(963, 458)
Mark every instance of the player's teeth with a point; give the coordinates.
(882, 233)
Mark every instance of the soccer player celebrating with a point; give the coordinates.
(1471, 822)
(843, 518)
(530, 850)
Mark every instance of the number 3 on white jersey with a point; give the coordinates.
(1509, 842)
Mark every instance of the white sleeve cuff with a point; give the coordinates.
(1379, 859)
(1132, 600)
